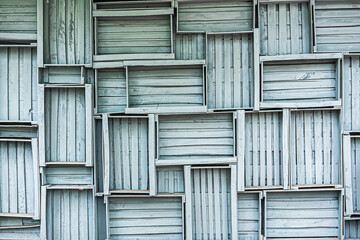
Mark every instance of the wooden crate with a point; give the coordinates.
(300, 81)
(285, 27)
(352, 229)
(68, 75)
(67, 176)
(303, 214)
(127, 217)
(190, 46)
(32, 232)
(138, 30)
(336, 26)
(170, 180)
(18, 84)
(65, 32)
(214, 16)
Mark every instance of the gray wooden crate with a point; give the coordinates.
(315, 148)
(215, 16)
(18, 81)
(67, 176)
(285, 27)
(18, 22)
(65, 32)
(138, 30)
(127, 217)
(249, 215)
(300, 81)
(190, 46)
(19, 178)
(170, 180)
(351, 95)
(69, 75)
(67, 212)
(65, 110)
(336, 26)
(352, 229)
(303, 214)
(195, 139)
(28, 233)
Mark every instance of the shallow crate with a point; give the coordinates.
(352, 229)
(67, 176)
(68, 75)
(190, 46)
(170, 180)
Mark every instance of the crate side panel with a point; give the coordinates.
(355, 169)
(69, 176)
(248, 216)
(190, 46)
(352, 229)
(170, 180)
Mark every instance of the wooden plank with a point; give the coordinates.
(188, 202)
(106, 153)
(347, 175)
(286, 146)
(89, 124)
(234, 202)
(151, 144)
(41, 123)
(240, 127)
(35, 154)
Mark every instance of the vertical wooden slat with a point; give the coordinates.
(106, 153)
(188, 202)
(151, 144)
(286, 147)
(89, 124)
(240, 122)
(234, 201)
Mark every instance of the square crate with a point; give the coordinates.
(59, 175)
(170, 180)
(110, 90)
(288, 34)
(128, 217)
(18, 22)
(352, 228)
(165, 86)
(67, 211)
(65, 110)
(214, 16)
(232, 74)
(65, 33)
(126, 154)
(137, 30)
(210, 201)
(351, 92)
(19, 178)
(68, 75)
(351, 158)
(260, 150)
(195, 139)
(315, 148)
(305, 80)
(336, 26)
(303, 214)
(191, 46)
(18, 81)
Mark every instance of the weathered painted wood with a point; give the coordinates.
(211, 204)
(98, 155)
(300, 82)
(291, 215)
(214, 16)
(126, 37)
(67, 176)
(111, 94)
(337, 26)
(18, 84)
(315, 147)
(190, 46)
(196, 137)
(355, 168)
(240, 149)
(32, 233)
(285, 28)
(152, 136)
(128, 146)
(14, 222)
(100, 218)
(67, 32)
(352, 229)
(351, 93)
(18, 21)
(63, 75)
(348, 178)
(166, 86)
(69, 214)
(65, 120)
(249, 216)
(188, 202)
(18, 180)
(128, 218)
(170, 180)
(230, 71)
(263, 150)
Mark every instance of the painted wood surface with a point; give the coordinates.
(337, 26)
(315, 147)
(69, 214)
(18, 81)
(32, 233)
(351, 93)
(111, 94)
(165, 86)
(214, 16)
(285, 28)
(211, 204)
(65, 115)
(170, 180)
(263, 149)
(230, 71)
(355, 169)
(352, 229)
(302, 215)
(128, 218)
(18, 21)
(67, 32)
(17, 181)
(296, 82)
(195, 137)
(63, 75)
(68, 176)
(190, 46)
(129, 161)
(249, 216)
